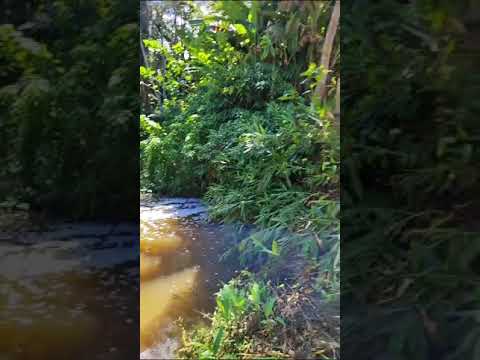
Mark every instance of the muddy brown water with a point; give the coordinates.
(180, 272)
(66, 293)
(71, 292)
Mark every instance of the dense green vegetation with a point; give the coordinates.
(236, 109)
(69, 98)
(410, 153)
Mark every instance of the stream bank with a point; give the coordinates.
(181, 275)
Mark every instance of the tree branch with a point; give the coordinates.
(320, 92)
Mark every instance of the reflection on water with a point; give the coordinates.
(159, 238)
(69, 293)
(180, 273)
(160, 299)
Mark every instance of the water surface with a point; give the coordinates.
(179, 268)
(67, 292)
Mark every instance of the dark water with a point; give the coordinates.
(70, 293)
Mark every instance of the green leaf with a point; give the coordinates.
(253, 14)
(268, 307)
(217, 341)
(255, 294)
(312, 68)
(234, 10)
(240, 29)
(275, 248)
(222, 38)
(178, 48)
(152, 44)
(207, 354)
(146, 72)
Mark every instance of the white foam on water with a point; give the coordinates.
(163, 350)
(172, 208)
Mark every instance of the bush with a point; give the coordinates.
(262, 157)
(241, 308)
(67, 114)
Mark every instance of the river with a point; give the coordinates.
(70, 291)
(179, 269)
(66, 292)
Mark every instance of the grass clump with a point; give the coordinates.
(257, 320)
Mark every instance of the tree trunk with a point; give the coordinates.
(144, 54)
(337, 102)
(320, 92)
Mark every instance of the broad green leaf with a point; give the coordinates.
(312, 68)
(240, 29)
(152, 44)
